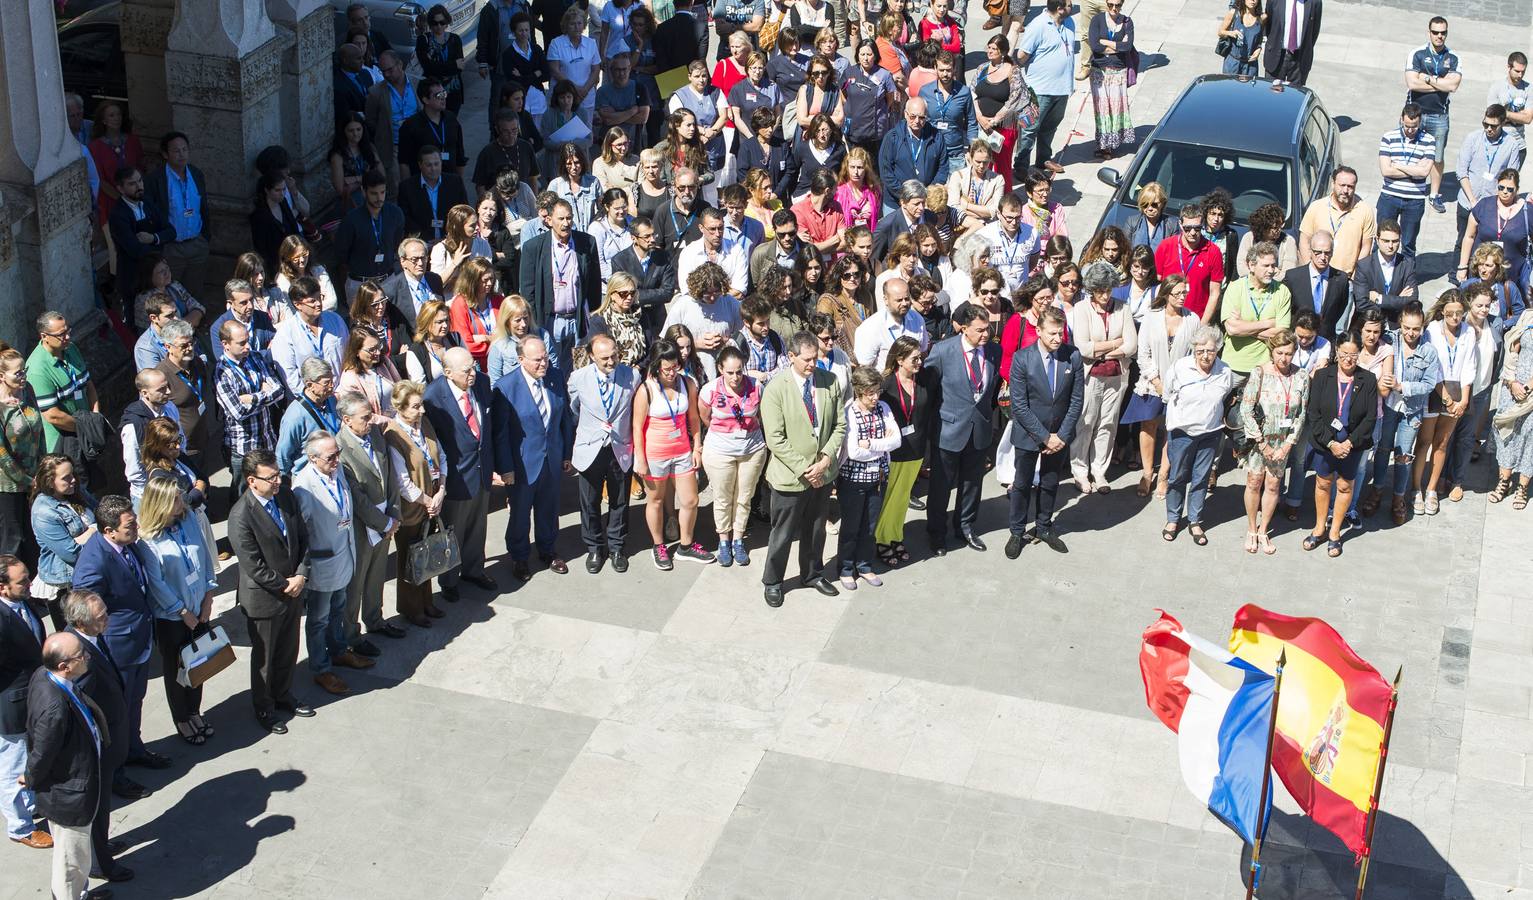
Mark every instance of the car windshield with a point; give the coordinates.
(1188, 172)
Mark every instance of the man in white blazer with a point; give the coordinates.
(324, 496)
(601, 400)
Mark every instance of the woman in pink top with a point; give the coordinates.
(858, 190)
(734, 452)
(667, 449)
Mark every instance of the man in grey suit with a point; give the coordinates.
(1048, 387)
(325, 498)
(601, 400)
(271, 542)
(372, 470)
(968, 373)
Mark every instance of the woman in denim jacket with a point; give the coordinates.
(63, 519)
(1413, 375)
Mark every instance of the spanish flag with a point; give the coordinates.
(1330, 720)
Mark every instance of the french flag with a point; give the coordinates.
(1220, 707)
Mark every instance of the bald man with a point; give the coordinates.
(1318, 286)
(66, 733)
(601, 404)
(458, 407)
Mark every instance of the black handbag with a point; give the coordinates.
(1225, 46)
(436, 552)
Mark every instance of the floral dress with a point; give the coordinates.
(1272, 412)
(1514, 443)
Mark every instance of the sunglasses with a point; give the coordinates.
(1191, 229)
(622, 293)
(441, 21)
(1435, 33)
(852, 275)
(1492, 126)
(1505, 189)
(1069, 282)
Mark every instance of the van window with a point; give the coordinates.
(1311, 155)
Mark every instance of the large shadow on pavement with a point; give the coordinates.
(1302, 861)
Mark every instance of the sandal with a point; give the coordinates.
(887, 556)
(1432, 504)
(1170, 532)
(1501, 489)
(1265, 544)
(1311, 541)
(1520, 499)
(1199, 536)
(1333, 549)
(1250, 542)
(190, 735)
(899, 549)
(201, 724)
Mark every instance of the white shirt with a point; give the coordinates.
(1195, 400)
(968, 360)
(814, 401)
(457, 399)
(1314, 357)
(610, 241)
(1010, 255)
(1387, 266)
(1459, 362)
(731, 258)
(878, 332)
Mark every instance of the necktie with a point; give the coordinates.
(107, 655)
(814, 420)
(604, 387)
(1050, 369)
(976, 371)
(367, 444)
(1292, 42)
(276, 516)
(35, 626)
(468, 415)
(1319, 290)
(541, 399)
(132, 561)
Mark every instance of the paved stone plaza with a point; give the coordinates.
(975, 728)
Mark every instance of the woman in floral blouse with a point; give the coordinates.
(1272, 415)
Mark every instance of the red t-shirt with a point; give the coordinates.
(1203, 267)
(946, 33)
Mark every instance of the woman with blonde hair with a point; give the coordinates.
(367, 370)
(762, 200)
(433, 338)
(293, 263)
(513, 324)
(900, 261)
(858, 189)
(618, 317)
(460, 240)
(652, 190)
(422, 489)
(473, 306)
(182, 565)
(1152, 225)
(974, 191)
(1272, 416)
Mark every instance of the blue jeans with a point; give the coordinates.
(1398, 438)
(1463, 443)
(1190, 457)
(1051, 112)
(566, 334)
(325, 627)
(1436, 124)
(17, 802)
(1408, 213)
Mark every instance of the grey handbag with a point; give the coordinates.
(436, 552)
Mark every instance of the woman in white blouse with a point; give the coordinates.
(460, 241)
(974, 191)
(1104, 332)
(1457, 350)
(1165, 336)
(572, 57)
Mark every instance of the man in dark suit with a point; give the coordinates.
(138, 227)
(1292, 28)
(115, 566)
(267, 531)
(1318, 287)
(352, 83)
(533, 434)
(65, 740)
(21, 652)
(426, 197)
(969, 378)
(1048, 388)
(676, 39)
(102, 683)
(412, 286)
(458, 407)
(561, 279)
(1385, 279)
(655, 271)
(910, 212)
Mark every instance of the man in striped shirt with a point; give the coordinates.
(1406, 157)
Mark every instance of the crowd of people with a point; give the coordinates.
(823, 278)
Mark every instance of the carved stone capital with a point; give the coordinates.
(144, 28)
(63, 199)
(219, 82)
(316, 39)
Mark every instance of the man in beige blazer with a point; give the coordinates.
(804, 418)
(372, 468)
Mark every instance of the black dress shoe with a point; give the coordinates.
(116, 846)
(451, 595)
(366, 647)
(974, 542)
(595, 560)
(97, 893)
(301, 710)
(917, 503)
(1053, 540)
(270, 723)
(119, 873)
(388, 630)
(773, 595)
(520, 571)
(482, 581)
(1014, 546)
(619, 562)
(150, 760)
(939, 547)
(128, 789)
(823, 586)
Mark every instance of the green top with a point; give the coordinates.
(1244, 302)
(22, 425)
(59, 383)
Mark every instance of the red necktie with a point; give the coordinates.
(468, 415)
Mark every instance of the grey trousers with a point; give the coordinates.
(189, 263)
(364, 595)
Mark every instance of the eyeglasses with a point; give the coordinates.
(437, 95)
(1206, 351)
(1435, 33)
(441, 21)
(273, 478)
(330, 457)
(1347, 357)
(414, 259)
(57, 335)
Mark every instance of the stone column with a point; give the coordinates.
(45, 202)
(144, 25)
(306, 93)
(223, 62)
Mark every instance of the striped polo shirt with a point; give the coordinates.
(1402, 152)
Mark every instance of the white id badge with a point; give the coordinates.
(1336, 424)
(907, 431)
(1285, 424)
(378, 258)
(446, 157)
(193, 581)
(942, 126)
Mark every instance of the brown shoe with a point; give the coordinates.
(353, 661)
(1370, 502)
(1397, 510)
(1053, 166)
(992, 22)
(37, 840)
(332, 683)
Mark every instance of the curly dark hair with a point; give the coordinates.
(1267, 218)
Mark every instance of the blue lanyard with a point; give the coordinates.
(420, 445)
(317, 343)
(195, 388)
(671, 409)
(681, 232)
(181, 542)
(338, 495)
(90, 720)
(377, 223)
(244, 376)
(323, 416)
(438, 132)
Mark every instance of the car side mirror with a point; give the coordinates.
(1109, 176)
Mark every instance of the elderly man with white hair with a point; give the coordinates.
(458, 407)
(324, 495)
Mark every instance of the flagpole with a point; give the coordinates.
(1261, 809)
(1378, 787)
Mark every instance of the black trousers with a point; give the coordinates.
(273, 656)
(101, 825)
(1026, 500)
(466, 518)
(604, 471)
(797, 515)
(16, 528)
(170, 635)
(962, 469)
